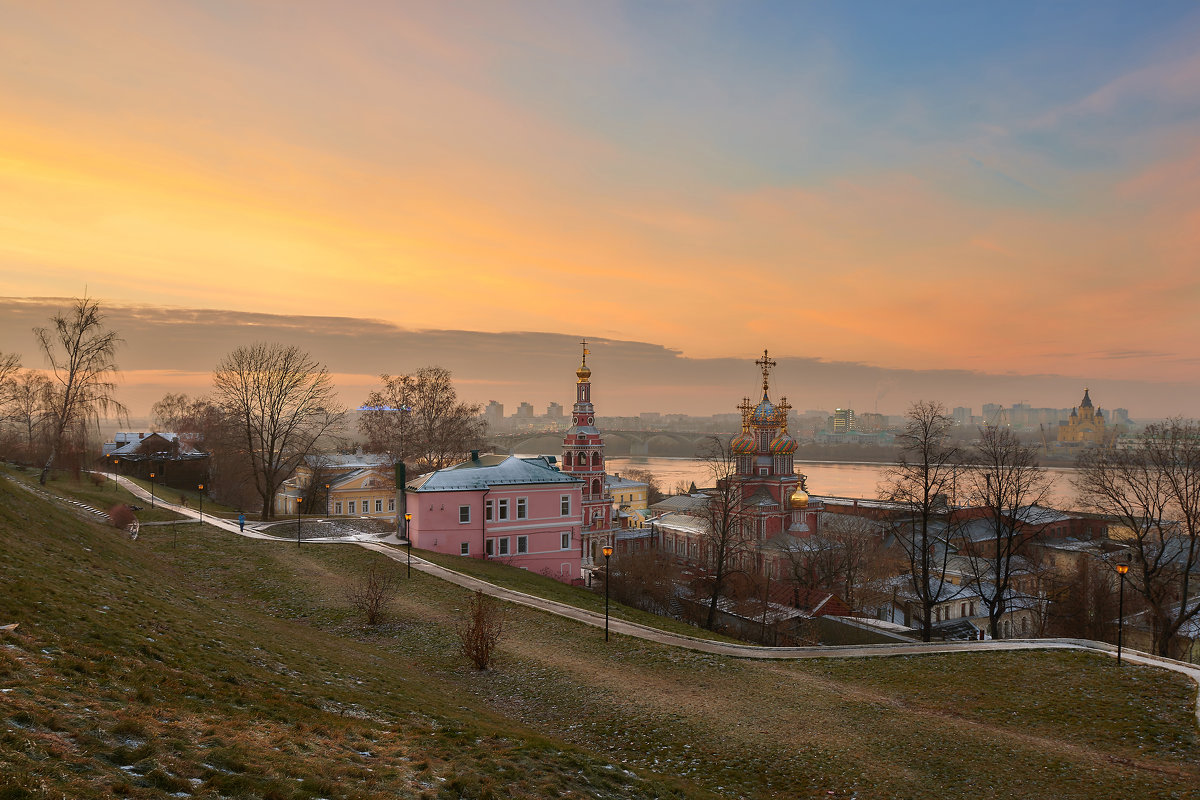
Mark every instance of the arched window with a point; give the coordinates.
(595, 459)
(596, 486)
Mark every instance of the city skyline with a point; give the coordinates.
(968, 203)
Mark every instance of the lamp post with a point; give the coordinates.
(114, 473)
(152, 490)
(408, 538)
(328, 504)
(1121, 570)
(299, 500)
(607, 553)
(200, 488)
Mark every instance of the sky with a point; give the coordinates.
(885, 195)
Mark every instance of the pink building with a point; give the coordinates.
(522, 511)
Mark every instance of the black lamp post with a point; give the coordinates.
(152, 490)
(607, 576)
(200, 488)
(1121, 570)
(299, 501)
(114, 473)
(408, 538)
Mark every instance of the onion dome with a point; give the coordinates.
(799, 499)
(783, 445)
(742, 444)
(584, 372)
(764, 413)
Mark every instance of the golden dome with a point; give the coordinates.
(583, 372)
(799, 499)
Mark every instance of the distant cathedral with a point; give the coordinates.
(1085, 426)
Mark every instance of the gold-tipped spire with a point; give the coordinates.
(583, 373)
(766, 363)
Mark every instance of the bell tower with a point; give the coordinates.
(583, 458)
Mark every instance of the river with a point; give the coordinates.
(835, 478)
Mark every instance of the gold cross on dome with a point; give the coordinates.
(766, 363)
(585, 350)
(746, 407)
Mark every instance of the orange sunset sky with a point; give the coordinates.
(1005, 191)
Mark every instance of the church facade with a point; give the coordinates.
(1085, 427)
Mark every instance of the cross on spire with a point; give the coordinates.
(766, 363)
(585, 350)
(746, 408)
(784, 407)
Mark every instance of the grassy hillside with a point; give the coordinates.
(231, 667)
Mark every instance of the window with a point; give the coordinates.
(566, 505)
(464, 514)
(503, 545)
(487, 511)
(566, 540)
(491, 547)
(501, 509)
(350, 505)
(391, 504)
(464, 549)
(522, 544)
(337, 507)
(378, 506)
(522, 507)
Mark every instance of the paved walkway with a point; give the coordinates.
(396, 553)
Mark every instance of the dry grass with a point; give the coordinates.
(237, 668)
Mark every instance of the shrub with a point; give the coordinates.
(479, 631)
(372, 595)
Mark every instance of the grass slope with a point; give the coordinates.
(234, 668)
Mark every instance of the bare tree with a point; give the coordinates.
(372, 594)
(418, 419)
(28, 401)
(724, 539)
(654, 493)
(1004, 478)
(1153, 490)
(480, 629)
(922, 483)
(82, 357)
(281, 403)
(10, 365)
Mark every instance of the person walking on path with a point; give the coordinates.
(242, 522)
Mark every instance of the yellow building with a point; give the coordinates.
(630, 498)
(1086, 425)
(359, 485)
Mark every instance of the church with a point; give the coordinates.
(1085, 427)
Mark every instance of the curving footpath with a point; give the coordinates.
(707, 645)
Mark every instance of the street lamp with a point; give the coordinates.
(114, 473)
(607, 553)
(299, 500)
(200, 487)
(408, 538)
(1121, 570)
(152, 490)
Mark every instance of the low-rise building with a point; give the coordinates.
(522, 511)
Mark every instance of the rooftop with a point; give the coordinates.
(491, 470)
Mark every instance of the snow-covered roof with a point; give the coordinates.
(617, 482)
(348, 460)
(491, 470)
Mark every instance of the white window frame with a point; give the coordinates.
(503, 549)
(502, 510)
(350, 506)
(487, 511)
(491, 547)
(464, 549)
(337, 507)
(565, 505)
(565, 540)
(462, 509)
(522, 545)
(379, 505)
(522, 511)
(391, 504)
